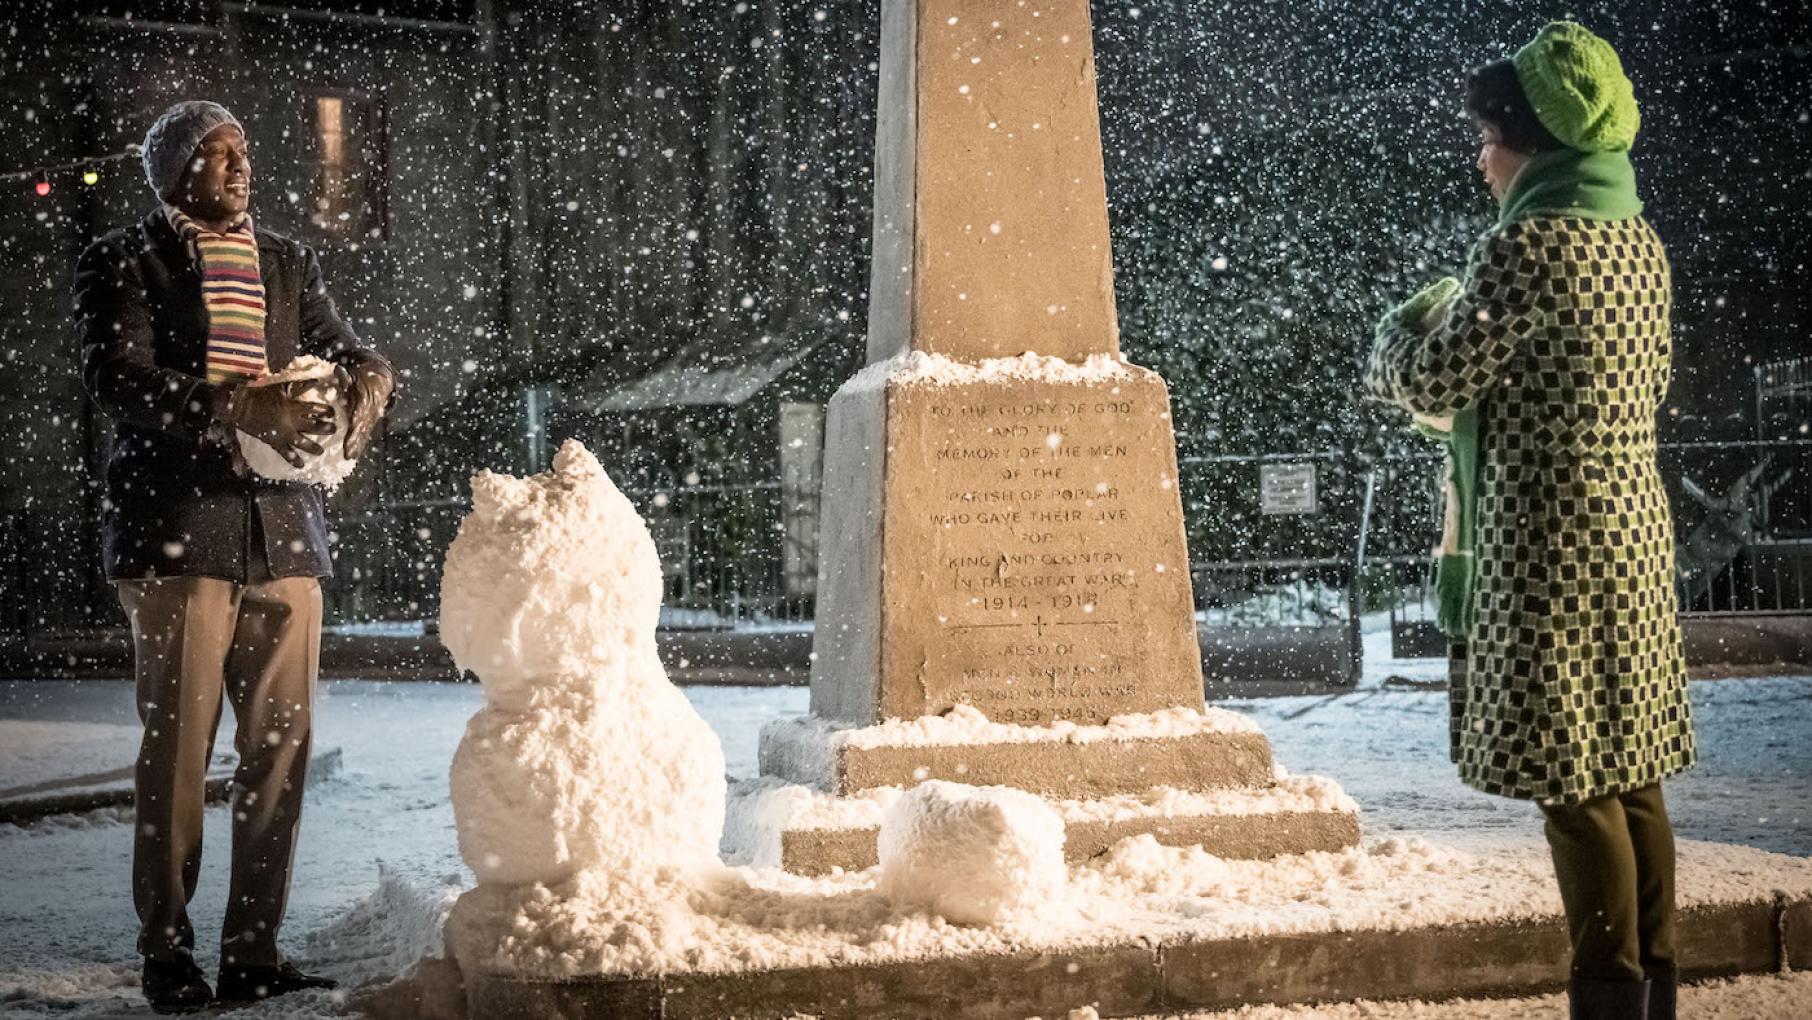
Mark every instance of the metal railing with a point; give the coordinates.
(743, 551)
(735, 553)
(1743, 530)
(731, 554)
(1742, 510)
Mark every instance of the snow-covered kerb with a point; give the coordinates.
(973, 854)
(1140, 891)
(585, 755)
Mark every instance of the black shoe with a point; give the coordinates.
(249, 984)
(1590, 999)
(175, 986)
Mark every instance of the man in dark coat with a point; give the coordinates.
(218, 569)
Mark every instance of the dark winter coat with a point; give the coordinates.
(1574, 684)
(174, 504)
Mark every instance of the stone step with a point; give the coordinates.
(1493, 958)
(1185, 750)
(811, 833)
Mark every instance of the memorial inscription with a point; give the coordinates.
(1039, 510)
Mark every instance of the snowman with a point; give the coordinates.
(585, 757)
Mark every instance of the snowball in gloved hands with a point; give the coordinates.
(308, 380)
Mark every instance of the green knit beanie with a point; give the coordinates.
(1577, 86)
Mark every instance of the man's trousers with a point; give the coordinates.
(194, 640)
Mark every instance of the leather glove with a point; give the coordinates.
(367, 387)
(283, 422)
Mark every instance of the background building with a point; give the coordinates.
(645, 224)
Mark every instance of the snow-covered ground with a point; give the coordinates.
(377, 863)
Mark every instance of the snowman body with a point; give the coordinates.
(585, 756)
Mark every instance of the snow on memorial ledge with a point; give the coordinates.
(763, 810)
(803, 748)
(921, 368)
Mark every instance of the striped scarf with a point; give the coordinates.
(232, 293)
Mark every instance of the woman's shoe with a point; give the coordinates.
(1593, 999)
(1663, 988)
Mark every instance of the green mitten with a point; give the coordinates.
(1416, 309)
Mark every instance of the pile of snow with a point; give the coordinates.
(585, 756)
(742, 919)
(383, 934)
(329, 467)
(972, 854)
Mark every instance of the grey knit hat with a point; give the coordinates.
(172, 141)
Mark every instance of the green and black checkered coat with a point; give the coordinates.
(1574, 685)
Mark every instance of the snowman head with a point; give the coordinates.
(551, 575)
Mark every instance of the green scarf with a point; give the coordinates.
(1454, 567)
(1566, 182)
(1557, 183)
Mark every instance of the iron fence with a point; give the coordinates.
(1743, 529)
(732, 553)
(1363, 542)
(739, 551)
(735, 553)
(1743, 524)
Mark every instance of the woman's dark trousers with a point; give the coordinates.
(1614, 857)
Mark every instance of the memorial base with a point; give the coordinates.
(1184, 749)
(808, 832)
(1007, 536)
(1185, 777)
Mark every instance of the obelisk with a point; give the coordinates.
(1011, 540)
(1003, 593)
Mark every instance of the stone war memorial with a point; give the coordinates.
(1009, 797)
(1004, 593)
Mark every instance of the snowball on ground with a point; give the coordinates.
(329, 467)
(972, 854)
(585, 756)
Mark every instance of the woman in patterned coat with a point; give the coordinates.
(1553, 354)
